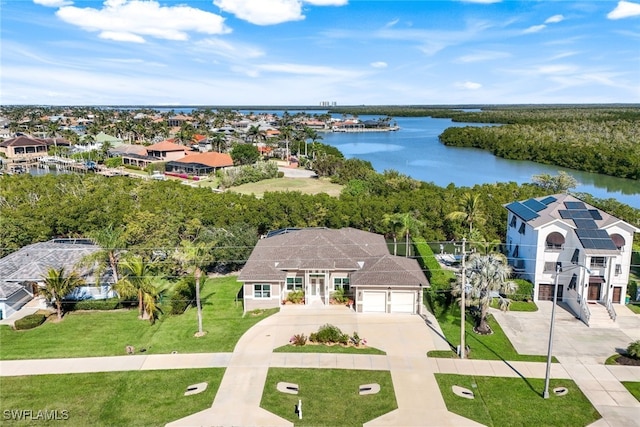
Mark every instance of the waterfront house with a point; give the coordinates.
(319, 261)
(22, 272)
(587, 247)
(167, 150)
(200, 164)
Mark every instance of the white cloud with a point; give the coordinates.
(227, 49)
(318, 70)
(624, 9)
(132, 20)
(534, 29)
(379, 64)
(554, 19)
(53, 3)
(483, 56)
(468, 85)
(271, 12)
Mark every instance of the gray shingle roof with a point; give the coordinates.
(32, 262)
(326, 249)
(8, 289)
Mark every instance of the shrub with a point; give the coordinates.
(634, 350)
(295, 297)
(330, 334)
(298, 339)
(632, 289)
(30, 321)
(183, 295)
(339, 296)
(355, 339)
(113, 162)
(97, 304)
(524, 291)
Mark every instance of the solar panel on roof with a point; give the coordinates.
(581, 214)
(595, 214)
(575, 205)
(585, 223)
(548, 200)
(534, 205)
(522, 211)
(595, 239)
(566, 214)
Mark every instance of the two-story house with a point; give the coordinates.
(588, 249)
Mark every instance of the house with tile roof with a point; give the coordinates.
(167, 150)
(22, 272)
(319, 261)
(588, 249)
(24, 147)
(200, 164)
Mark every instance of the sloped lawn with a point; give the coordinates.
(330, 397)
(517, 402)
(138, 398)
(106, 333)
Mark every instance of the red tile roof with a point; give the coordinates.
(167, 146)
(216, 160)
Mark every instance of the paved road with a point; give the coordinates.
(406, 339)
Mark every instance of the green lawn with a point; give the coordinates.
(137, 398)
(312, 348)
(488, 347)
(516, 305)
(517, 402)
(107, 333)
(635, 307)
(633, 387)
(329, 396)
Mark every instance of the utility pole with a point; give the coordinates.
(463, 287)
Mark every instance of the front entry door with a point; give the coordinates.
(316, 285)
(594, 292)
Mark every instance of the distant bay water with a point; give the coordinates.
(415, 151)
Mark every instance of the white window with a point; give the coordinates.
(618, 269)
(598, 262)
(261, 290)
(341, 283)
(294, 283)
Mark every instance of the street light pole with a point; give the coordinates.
(545, 393)
(463, 287)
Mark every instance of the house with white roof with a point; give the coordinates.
(588, 249)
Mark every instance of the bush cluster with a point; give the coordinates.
(230, 177)
(295, 297)
(184, 295)
(29, 322)
(328, 334)
(298, 339)
(94, 304)
(634, 350)
(524, 291)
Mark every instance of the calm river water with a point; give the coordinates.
(415, 151)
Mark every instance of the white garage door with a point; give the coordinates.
(402, 302)
(374, 302)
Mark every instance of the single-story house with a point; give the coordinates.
(22, 272)
(319, 261)
(200, 163)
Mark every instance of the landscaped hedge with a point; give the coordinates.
(29, 322)
(92, 304)
(524, 292)
(438, 297)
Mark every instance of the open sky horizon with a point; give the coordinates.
(304, 52)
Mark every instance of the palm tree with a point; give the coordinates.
(57, 285)
(470, 211)
(191, 255)
(112, 242)
(136, 282)
(286, 132)
(393, 222)
(408, 225)
(486, 274)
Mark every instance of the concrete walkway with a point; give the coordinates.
(406, 340)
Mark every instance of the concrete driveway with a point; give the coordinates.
(405, 338)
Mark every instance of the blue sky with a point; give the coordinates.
(302, 52)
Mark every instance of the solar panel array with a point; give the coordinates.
(548, 200)
(596, 239)
(575, 205)
(587, 224)
(534, 205)
(522, 211)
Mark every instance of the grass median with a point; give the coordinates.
(137, 398)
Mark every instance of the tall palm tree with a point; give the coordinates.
(408, 225)
(485, 274)
(136, 282)
(57, 285)
(112, 243)
(470, 211)
(286, 133)
(192, 257)
(393, 222)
